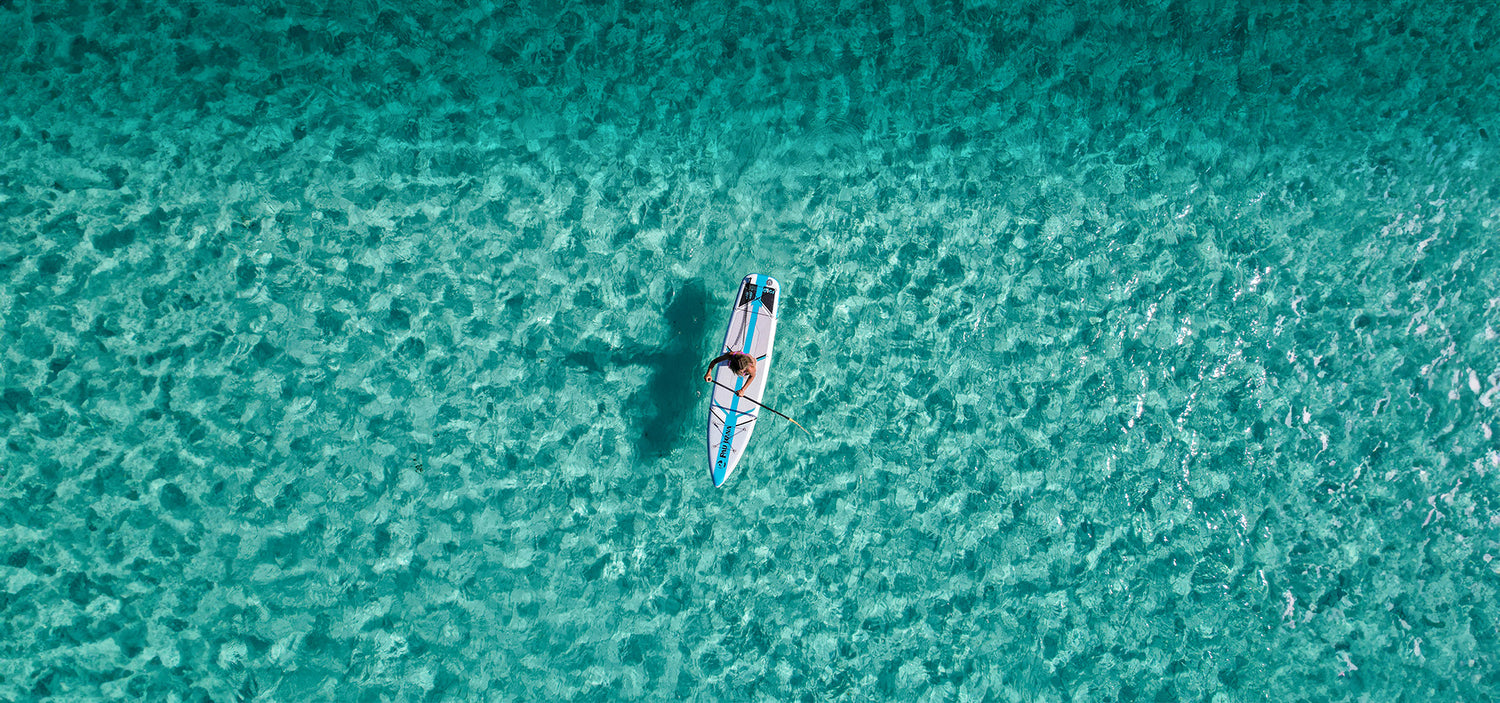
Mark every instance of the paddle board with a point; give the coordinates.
(752, 330)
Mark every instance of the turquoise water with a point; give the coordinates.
(1149, 351)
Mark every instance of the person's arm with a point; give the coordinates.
(708, 375)
(748, 380)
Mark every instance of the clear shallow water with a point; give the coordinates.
(1149, 350)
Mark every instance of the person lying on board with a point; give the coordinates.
(740, 363)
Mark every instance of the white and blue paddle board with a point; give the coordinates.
(752, 330)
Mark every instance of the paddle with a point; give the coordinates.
(763, 405)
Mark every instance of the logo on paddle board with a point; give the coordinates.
(724, 449)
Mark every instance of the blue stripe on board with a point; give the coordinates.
(721, 466)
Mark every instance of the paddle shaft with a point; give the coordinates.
(763, 406)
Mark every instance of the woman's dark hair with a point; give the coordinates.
(739, 363)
